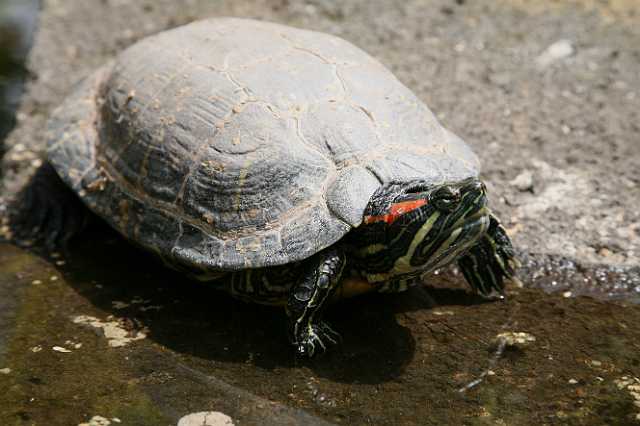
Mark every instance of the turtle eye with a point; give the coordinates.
(446, 199)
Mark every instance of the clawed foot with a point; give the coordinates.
(492, 260)
(315, 339)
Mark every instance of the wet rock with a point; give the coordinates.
(425, 345)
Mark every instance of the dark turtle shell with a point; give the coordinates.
(228, 143)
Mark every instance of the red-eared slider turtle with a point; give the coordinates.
(286, 165)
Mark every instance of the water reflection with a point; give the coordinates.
(17, 24)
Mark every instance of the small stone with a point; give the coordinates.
(559, 50)
(53, 278)
(596, 363)
(36, 282)
(440, 313)
(97, 421)
(512, 338)
(36, 349)
(60, 349)
(567, 294)
(206, 418)
(523, 182)
(573, 381)
(5, 370)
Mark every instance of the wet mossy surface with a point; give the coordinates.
(404, 358)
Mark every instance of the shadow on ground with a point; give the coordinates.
(196, 319)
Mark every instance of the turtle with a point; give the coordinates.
(286, 166)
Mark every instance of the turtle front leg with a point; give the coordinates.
(490, 261)
(307, 300)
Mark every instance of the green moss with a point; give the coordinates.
(68, 387)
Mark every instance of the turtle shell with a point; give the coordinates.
(229, 143)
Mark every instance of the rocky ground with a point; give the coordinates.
(547, 93)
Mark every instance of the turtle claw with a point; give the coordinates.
(492, 260)
(316, 339)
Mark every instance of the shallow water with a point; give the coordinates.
(186, 347)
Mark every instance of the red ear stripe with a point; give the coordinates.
(396, 210)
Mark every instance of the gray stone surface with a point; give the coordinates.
(570, 121)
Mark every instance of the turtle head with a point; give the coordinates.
(412, 228)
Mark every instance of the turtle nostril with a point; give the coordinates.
(475, 185)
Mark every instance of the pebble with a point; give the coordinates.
(5, 370)
(206, 418)
(523, 182)
(559, 50)
(60, 349)
(513, 338)
(97, 421)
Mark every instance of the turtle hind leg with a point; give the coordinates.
(488, 263)
(308, 298)
(46, 211)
